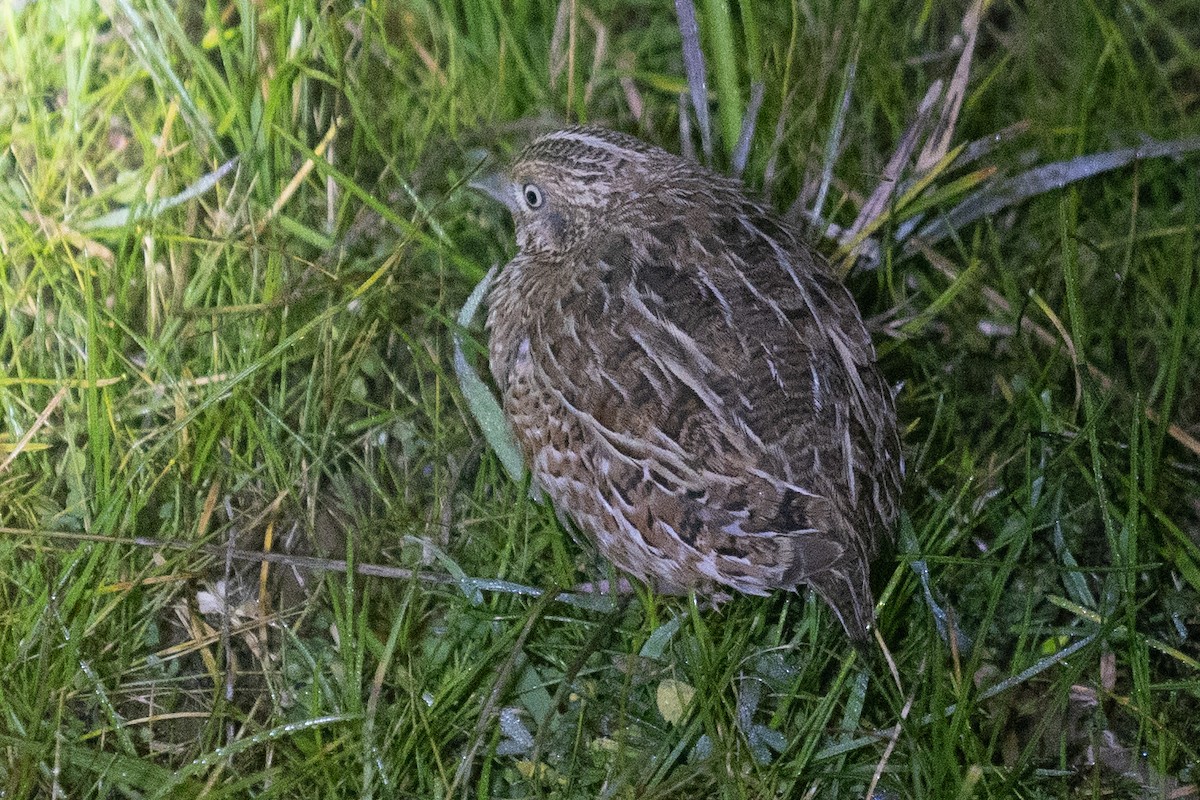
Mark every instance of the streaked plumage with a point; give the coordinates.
(687, 382)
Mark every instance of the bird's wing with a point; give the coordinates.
(723, 386)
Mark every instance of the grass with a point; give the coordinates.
(264, 363)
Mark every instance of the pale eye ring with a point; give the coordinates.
(533, 195)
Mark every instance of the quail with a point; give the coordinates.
(689, 383)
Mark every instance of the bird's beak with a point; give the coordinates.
(495, 185)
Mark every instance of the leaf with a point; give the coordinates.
(673, 698)
(531, 771)
(484, 407)
(657, 642)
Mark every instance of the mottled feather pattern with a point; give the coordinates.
(687, 381)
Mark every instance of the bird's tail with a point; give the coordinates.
(846, 588)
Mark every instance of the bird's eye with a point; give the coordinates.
(533, 195)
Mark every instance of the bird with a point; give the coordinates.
(690, 384)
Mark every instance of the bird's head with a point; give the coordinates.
(570, 183)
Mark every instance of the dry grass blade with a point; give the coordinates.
(742, 153)
(129, 214)
(562, 48)
(558, 42)
(885, 190)
(422, 52)
(933, 156)
(294, 184)
(53, 231)
(598, 52)
(777, 142)
(633, 98)
(1000, 194)
(986, 144)
(20, 446)
(834, 143)
(572, 27)
(968, 155)
(1067, 341)
(697, 75)
(893, 738)
(939, 141)
(687, 147)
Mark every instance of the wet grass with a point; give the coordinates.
(198, 366)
